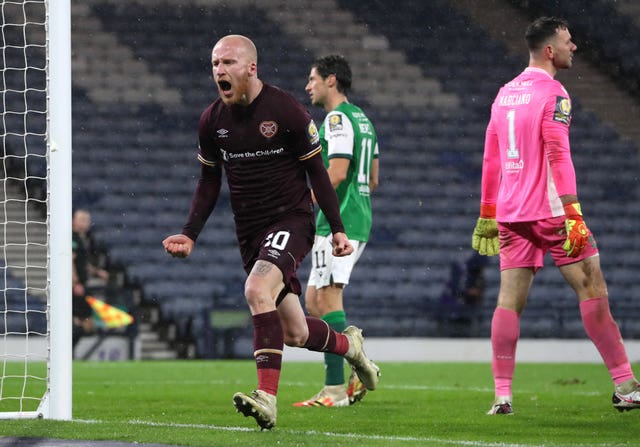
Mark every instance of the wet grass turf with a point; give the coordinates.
(417, 404)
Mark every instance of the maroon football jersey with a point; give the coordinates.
(261, 147)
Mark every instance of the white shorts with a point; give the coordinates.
(327, 269)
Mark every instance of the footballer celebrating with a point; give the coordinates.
(269, 147)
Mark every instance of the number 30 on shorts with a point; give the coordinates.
(277, 240)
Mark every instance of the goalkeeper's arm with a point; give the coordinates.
(485, 234)
(564, 177)
(485, 238)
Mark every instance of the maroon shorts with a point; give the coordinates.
(285, 244)
(524, 244)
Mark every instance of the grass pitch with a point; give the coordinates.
(188, 403)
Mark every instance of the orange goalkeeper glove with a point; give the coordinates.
(485, 235)
(577, 231)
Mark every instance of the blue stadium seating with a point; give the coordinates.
(136, 168)
(20, 311)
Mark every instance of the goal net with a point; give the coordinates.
(35, 210)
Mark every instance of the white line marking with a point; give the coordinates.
(356, 436)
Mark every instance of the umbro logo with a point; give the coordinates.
(273, 253)
(222, 133)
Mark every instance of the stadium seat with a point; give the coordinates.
(135, 162)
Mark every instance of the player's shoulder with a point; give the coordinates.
(546, 84)
(552, 85)
(555, 98)
(554, 95)
(352, 111)
(359, 119)
(559, 89)
(283, 104)
(348, 111)
(276, 93)
(336, 121)
(212, 111)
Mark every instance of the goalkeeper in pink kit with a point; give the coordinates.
(529, 206)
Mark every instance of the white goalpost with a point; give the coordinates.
(35, 210)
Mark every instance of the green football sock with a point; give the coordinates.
(334, 364)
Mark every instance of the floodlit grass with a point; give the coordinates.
(188, 403)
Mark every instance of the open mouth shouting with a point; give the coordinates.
(225, 88)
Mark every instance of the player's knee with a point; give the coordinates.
(296, 337)
(251, 293)
(600, 289)
(294, 342)
(255, 295)
(593, 286)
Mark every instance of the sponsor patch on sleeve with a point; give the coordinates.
(312, 132)
(335, 122)
(562, 112)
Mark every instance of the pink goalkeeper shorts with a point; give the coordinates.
(524, 244)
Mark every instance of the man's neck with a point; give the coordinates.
(545, 65)
(334, 101)
(252, 94)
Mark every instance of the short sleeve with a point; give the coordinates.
(338, 131)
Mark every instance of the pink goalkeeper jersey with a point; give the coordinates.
(527, 161)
